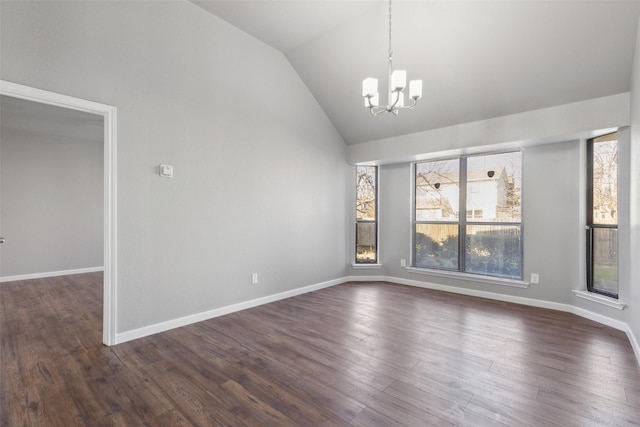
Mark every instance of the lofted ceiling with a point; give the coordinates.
(477, 59)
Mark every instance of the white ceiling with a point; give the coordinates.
(477, 59)
(285, 24)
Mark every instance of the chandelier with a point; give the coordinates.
(397, 83)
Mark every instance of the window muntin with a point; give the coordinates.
(487, 238)
(602, 215)
(366, 215)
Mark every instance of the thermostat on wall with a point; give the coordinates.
(166, 171)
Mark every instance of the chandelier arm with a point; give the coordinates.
(374, 109)
(393, 106)
(408, 107)
(371, 105)
(369, 101)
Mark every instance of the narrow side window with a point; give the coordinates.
(602, 215)
(366, 214)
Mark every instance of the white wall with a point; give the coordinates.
(551, 217)
(261, 180)
(260, 173)
(547, 125)
(51, 189)
(553, 199)
(634, 202)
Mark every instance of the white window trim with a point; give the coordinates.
(470, 277)
(363, 265)
(600, 299)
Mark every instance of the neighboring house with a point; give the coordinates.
(488, 195)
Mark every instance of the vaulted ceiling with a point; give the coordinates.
(477, 59)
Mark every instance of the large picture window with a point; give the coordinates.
(602, 215)
(366, 214)
(468, 215)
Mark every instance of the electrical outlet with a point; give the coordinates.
(403, 263)
(254, 278)
(535, 278)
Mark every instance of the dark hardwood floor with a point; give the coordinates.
(358, 354)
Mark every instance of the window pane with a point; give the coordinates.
(437, 246)
(437, 190)
(605, 180)
(605, 259)
(366, 193)
(493, 187)
(366, 242)
(494, 250)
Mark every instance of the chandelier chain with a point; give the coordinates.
(390, 49)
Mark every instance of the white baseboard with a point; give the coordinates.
(216, 312)
(199, 317)
(366, 279)
(50, 274)
(480, 294)
(634, 343)
(616, 324)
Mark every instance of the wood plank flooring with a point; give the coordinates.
(357, 354)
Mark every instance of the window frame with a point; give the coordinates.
(462, 222)
(591, 226)
(376, 260)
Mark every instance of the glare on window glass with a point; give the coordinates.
(494, 187)
(437, 190)
(605, 181)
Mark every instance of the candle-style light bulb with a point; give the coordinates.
(398, 80)
(415, 89)
(369, 86)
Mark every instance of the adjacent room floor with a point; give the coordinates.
(357, 354)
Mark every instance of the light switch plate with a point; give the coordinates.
(166, 171)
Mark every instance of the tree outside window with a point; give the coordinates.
(602, 213)
(366, 215)
(468, 216)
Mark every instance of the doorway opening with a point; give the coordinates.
(108, 114)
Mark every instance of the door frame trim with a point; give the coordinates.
(109, 114)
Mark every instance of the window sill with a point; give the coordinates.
(359, 266)
(470, 277)
(600, 299)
